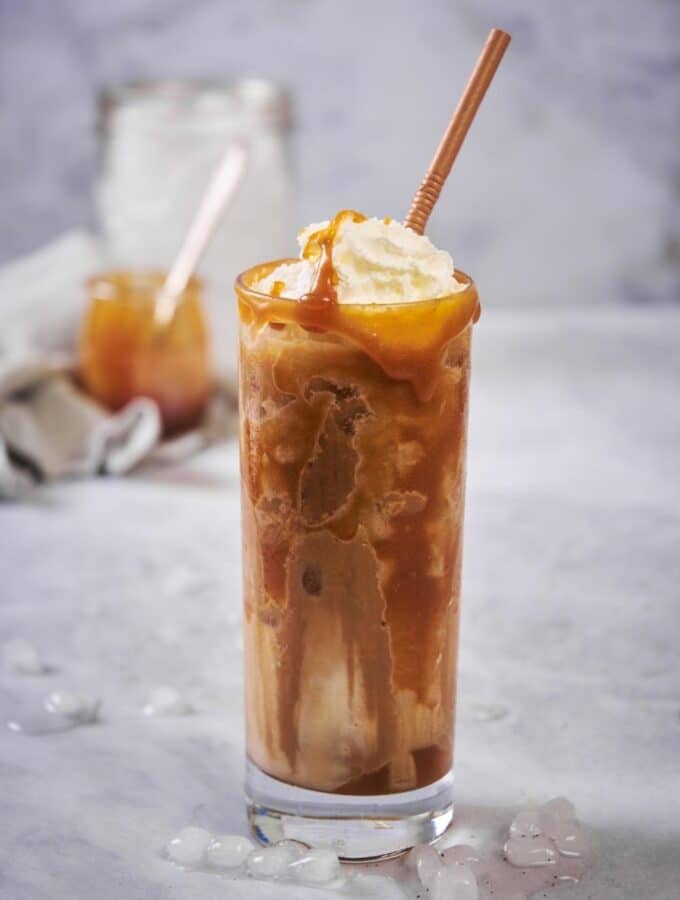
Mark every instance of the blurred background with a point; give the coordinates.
(565, 197)
(567, 188)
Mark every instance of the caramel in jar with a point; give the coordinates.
(123, 353)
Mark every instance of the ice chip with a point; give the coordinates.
(189, 847)
(526, 852)
(270, 862)
(426, 862)
(82, 709)
(21, 656)
(429, 869)
(295, 848)
(527, 823)
(166, 701)
(371, 885)
(38, 722)
(318, 866)
(561, 808)
(488, 712)
(454, 882)
(463, 855)
(228, 851)
(570, 839)
(556, 813)
(465, 882)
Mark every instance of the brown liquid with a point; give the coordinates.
(123, 354)
(353, 428)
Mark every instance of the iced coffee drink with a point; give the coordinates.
(354, 371)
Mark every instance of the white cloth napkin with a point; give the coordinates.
(48, 427)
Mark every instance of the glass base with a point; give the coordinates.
(359, 828)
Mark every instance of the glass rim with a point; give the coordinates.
(241, 285)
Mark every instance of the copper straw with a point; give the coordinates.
(428, 193)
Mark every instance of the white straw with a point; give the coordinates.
(221, 189)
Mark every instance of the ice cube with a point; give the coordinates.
(527, 823)
(38, 722)
(561, 808)
(455, 882)
(228, 851)
(270, 862)
(488, 712)
(554, 814)
(426, 862)
(570, 839)
(463, 855)
(526, 852)
(318, 866)
(189, 847)
(370, 885)
(465, 882)
(295, 848)
(21, 656)
(83, 709)
(166, 701)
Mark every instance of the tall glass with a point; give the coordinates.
(353, 437)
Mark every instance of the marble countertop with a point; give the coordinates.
(570, 671)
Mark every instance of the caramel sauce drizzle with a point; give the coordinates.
(320, 246)
(405, 339)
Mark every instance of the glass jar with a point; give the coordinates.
(159, 143)
(124, 353)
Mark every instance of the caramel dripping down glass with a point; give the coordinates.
(353, 441)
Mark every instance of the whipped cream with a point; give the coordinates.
(376, 261)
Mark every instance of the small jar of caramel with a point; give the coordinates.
(124, 352)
